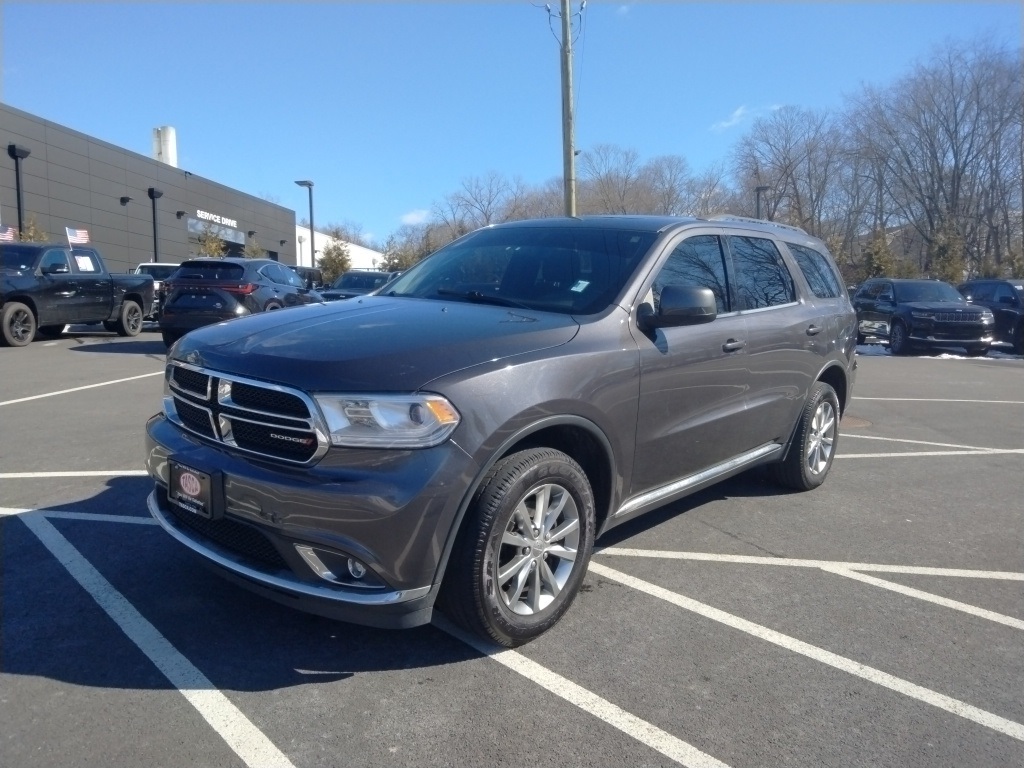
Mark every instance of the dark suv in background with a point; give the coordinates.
(461, 438)
(205, 291)
(357, 282)
(918, 314)
(1005, 298)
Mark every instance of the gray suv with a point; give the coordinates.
(461, 438)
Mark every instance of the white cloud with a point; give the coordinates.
(736, 117)
(418, 216)
(623, 10)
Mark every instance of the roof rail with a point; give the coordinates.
(751, 220)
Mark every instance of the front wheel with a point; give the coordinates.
(129, 322)
(523, 552)
(898, 343)
(814, 442)
(18, 324)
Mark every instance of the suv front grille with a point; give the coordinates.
(250, 416)
(958, 317)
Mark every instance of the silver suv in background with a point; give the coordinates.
(159, 271)
(459, 438)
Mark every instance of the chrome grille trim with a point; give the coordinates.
(222, 410)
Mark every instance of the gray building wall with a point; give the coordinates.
(73, 180)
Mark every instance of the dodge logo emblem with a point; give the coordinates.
(190, 484)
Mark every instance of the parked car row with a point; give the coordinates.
(1005, 299)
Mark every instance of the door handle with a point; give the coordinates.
(732, 345)
(813, 330)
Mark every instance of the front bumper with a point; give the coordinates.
(391, 510)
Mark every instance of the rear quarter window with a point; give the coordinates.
(818, 271)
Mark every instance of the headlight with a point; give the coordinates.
(388, 421)
(987, 317)
(922, 315)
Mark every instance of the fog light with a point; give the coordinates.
(357, 569)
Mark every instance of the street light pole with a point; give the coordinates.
(757, 195)
(18, 154)
(154, 194)
(312, 234)
(568, 129)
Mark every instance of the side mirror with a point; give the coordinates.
(55, 269)
(679, 305)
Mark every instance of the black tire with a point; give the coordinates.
(50, 331)
(977, 351)
(272, 306)
(509, 580)
(898, 342)
(860, 338)
(1018, 340)
(18, 324)
(814, 442)
(129, 322)
(110, 325)
(170, 337)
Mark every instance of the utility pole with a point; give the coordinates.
(568, 129)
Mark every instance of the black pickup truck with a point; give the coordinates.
(45, 286)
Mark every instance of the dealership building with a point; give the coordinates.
(134, 208)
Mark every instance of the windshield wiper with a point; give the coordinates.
(482, 298)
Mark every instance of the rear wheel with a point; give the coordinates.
(129, 322)
(1018, 340)
(523, 551)
(814, 443)
(18, 324)
(271, 306)
(977, 351)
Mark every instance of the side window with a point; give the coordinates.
(53, 260)
(762, 279)
(980, 291)
(1004, 295)
(696, 261)
(818, 271)
(85, 262)
(885, 292)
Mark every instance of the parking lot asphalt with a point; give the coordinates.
(876, 621)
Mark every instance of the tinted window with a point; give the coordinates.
(696, 261)
(821, 278)
(210, 270)
(1004, 294)
(158, 271)
(54, 258)
(762, 279)
(928, 290)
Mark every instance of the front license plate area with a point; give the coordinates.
(198, 493)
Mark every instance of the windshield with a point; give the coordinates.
(18, 258)
(928, 291)
(572, 270)
(361, 281)
(158, 271)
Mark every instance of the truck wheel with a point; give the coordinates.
(129, 322)
(50, 331)
(520, 559)
(1018, 340)
(19, 324)
(814, 443)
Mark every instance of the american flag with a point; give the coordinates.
(77, 236)
(7, 234)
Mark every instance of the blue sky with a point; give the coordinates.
(389, 106)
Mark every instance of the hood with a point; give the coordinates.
(943, 306)
(371, 344)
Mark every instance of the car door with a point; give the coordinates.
(58, 289)
(693, 379)
(95, 289)
(875, 303)
(785, 338)
(1006, 307)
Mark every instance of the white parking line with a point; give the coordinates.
(920, 442)
(631, 725)
(938, 400)
(244, 738)
(929, 597)
(915, 570)
(84, 473)
(79, 389)
(954, 706)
